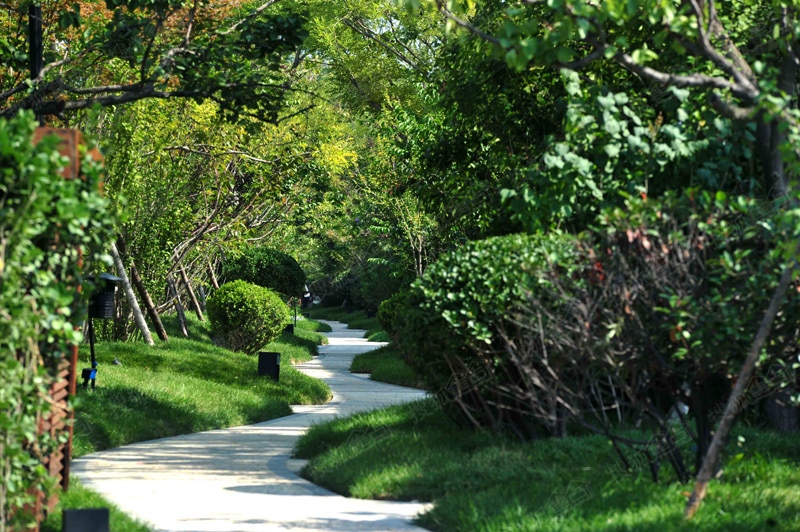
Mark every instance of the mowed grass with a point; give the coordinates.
(385, 365)
(298, 347)
(314, 326)
(185, 386)
(482, 482)
(80, 497)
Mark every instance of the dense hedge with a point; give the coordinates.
(654, 306)
(48, 224)
(388, 309)
(245, 317)
(456, 316)
(268, 268)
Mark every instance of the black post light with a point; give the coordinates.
(269, 364)
(101, 305)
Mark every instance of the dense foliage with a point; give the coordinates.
(129, 50)
(653, 309)
(383, 143)
(245, 317)
(269, 268)
(46, 224)
(388, 311)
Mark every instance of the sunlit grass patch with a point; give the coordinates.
(481, 481)
(385, 365)
(185, 386)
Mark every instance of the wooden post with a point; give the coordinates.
(64, 373)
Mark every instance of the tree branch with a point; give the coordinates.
(465, 24)
(733, 406)
(256, 11)
(742, 80)
(688, 80)
(369, 34)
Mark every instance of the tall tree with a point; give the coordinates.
(231, 53)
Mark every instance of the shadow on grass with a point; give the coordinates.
(117, 415)
(482, 481)
(200, 360)
(298, 341)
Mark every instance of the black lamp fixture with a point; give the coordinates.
(101, 305)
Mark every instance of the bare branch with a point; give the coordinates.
(190, 25)
(256, 11)
(361, 29)
(729, 110)
(674, 80)
(745, 84)
(465, 24)
(105, 89)
(711, 459)
(718, 31)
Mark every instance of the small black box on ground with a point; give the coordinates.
(269, 364)
(289, 328)
(85, 520)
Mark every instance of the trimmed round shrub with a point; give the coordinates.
(388, 309)
(269, 268)
(244, 317)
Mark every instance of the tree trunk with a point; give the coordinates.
(214, 282)
(144, 294)
(192, 296)
(203, 298)
(733, 406)
(173, 292)
(126, 285)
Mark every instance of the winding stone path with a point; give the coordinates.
(243, 479)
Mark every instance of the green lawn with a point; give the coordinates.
(481, 482)
(185, 386)
(385, 365)
(80, 497)
(315, 326)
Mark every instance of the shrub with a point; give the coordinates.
(695, 274)
(268, 268)
(388, 309)
(48, 224)
(451, 326)
(658, 304)
(377, 282)
(245, 317)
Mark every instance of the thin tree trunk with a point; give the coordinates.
(732, 408)
(214, 282)
(203, 297)
(192, 296)
(152, 312)
(173, 292)
(126, 285)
